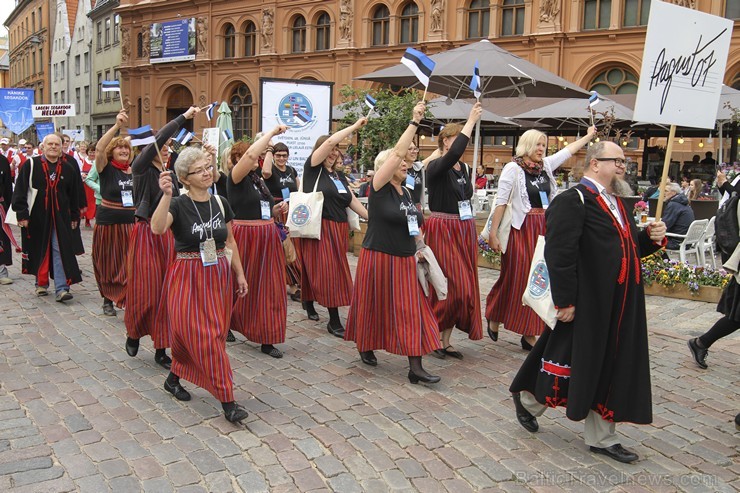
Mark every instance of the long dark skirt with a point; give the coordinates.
(109, 255)
(325, 275)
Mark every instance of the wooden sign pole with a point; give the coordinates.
(666, 167)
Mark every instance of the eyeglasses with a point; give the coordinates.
(617, 160)
(281, 156)
(203, 171)
(413, 149)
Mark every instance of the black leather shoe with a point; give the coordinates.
(525, 418)
(450, 351)
(368, 357)
(230, 337)
(236, 414)
(271, 350)
(699, 353)
(493, 335)
(414, 378)
(617, 452)
(177, 390)
(335, 331)
(132, 346)
(296, 296)
(164, 361)
(108, 309)
(312, 315)
(525, 345)
(439, 353)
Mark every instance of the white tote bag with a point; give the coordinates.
(504, 227)
(353, 219)
(537, 294)
(304, 215)
(10, 217)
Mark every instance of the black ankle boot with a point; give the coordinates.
(132, 346)
(310, 310)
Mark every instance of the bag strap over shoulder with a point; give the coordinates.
(315, 185)
(221, 206)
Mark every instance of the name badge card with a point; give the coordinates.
(208, 252)
(340, 186)
(413, 225)
(544, 199)
(410, 182)
(466, 212)
(265, 208)
(127, 198)
(286, 193)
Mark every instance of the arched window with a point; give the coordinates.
(735, 84)
(615, 81)
(139, 45)
(636, 13)
(597, 14)
(299, 35)
(479, 16)
(323, 32)
(732, 9)
(409, 24)
(250, 38)
(229, 41)
(512, 18)
(241, 111)
(380, 23)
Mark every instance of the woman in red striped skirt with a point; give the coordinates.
(450, 233)
(389, 310)
(325, 275)
(200, 282)
(114, 219)
(261, 315)
(529, 177)
(282, 179)
(150, 254)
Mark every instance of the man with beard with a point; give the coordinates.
(595, 361)
(49, 222)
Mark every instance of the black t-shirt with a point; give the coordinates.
(388, 230)
(418, 189)
(447, 186)
(219, 187)
(113, 183)
(535, 185)
(246, 197)
(282, 179)
(190, 228)
(335, 203)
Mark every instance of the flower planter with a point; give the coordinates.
(709, 294)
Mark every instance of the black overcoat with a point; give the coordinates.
(599, 361)
(62, 207)
(6, 194)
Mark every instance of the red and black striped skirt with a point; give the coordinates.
(149, 255)
(199, 301)
(109, 253)
(261, 315)
(504, 302)
(389, 310)
(292, 270)
(454, 244)
(325, 275)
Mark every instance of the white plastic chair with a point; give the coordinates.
(709, 243)
(482, 196)
(693, 242)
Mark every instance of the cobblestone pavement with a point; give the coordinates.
(78, 414)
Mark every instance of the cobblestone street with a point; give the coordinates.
(78, 414)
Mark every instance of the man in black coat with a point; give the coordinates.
(677, 214)
(595, 361)
(49, 222)
(6, 235)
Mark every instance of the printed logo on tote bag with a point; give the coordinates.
(301, 215)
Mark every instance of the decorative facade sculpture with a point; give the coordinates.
(549, 10)
(201, 34)
(438, 11)
(145, 33)
(268, 27)
(125, 44)
(689, 4)
(346, 17)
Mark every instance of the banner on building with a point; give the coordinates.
(15, 108)
(681, 76)
(53, 110)
(172, 41)
(43, 129)
(304, 106)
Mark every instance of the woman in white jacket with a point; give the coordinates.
(529, 176)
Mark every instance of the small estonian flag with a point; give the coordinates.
(141, 136)
(594, 99)
(227, 135)
(420, 64)
(184, 137)
(370, 102)
(111, 86)
(475, 81)
(209, 111)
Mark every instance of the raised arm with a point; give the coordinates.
(269, 161)
(101, 160)
(391, 165)
(456, 150)
(162, 219)
(147, 155)
(320, 154)
(246, 162)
